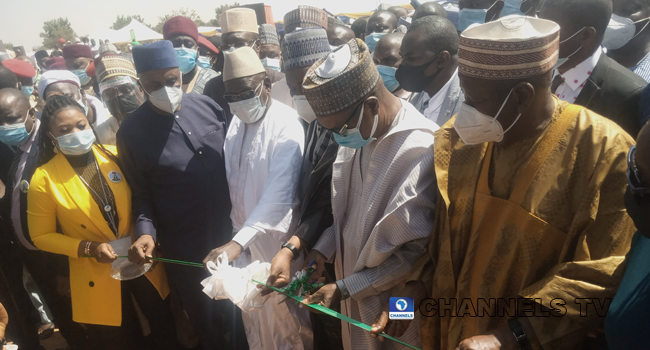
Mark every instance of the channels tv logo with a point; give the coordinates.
(401, 308)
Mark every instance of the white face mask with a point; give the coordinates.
(474, 127)
(304, 109)
(166, 99)
(76, 144)
(273, 63)
(248, 111)
(620, 31)
(561, 61)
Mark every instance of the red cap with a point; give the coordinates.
(180, 25)
(207, 44)
(61, 41)
(21, 68)
(77, 51)
(58, 66)
(90, 70)
(52, 60)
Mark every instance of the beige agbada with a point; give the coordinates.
(542, 218)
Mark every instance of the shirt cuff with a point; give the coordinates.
(246, 236)
(359, 286)
(144, 228)
(326, 244)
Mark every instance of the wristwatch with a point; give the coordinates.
(344, 290)
(520, 334)
(293, 249)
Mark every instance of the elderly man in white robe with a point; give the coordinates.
(383, 189)
(263, 151)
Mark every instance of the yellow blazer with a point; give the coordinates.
(57, 193)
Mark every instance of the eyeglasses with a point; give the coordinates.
(345, 126)
(246, 95)
(226, 47)
(634, 182)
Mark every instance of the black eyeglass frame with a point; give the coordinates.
(634, 176)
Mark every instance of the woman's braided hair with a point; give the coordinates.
(54, 105)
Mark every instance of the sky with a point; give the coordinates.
(22, 21)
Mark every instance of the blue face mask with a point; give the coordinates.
(512, 7)
(273, 63)
(186, 59)
(27, 90)
(14, 134)
(467, 17)
(373, 39)
(204, 62)
(388, 76)
(351, 138)
(81, 74)
(78, 143)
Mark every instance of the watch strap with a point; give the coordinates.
(344, 290)
(293, 249)
(520, 334)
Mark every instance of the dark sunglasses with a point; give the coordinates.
(246, 95)
(226, 47)
(340, 130)
(634, 182)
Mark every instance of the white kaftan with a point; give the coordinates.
(383, 199)
(263, 161)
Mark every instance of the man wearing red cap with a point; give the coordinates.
(77, 58)
(184, 35)
(26, 75)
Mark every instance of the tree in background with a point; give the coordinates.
(55, 29)
(9, 46)
(216, 22)
(123, 21)
(185, 12)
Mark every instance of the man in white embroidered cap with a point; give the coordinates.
(383, 188)
(530, 215)
(263, 152)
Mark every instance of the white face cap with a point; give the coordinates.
(242, 62)
(335, 63)
(239, 20)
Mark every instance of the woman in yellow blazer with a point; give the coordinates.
(79, 185)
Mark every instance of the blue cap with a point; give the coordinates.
(154, 56)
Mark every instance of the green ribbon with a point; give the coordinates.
(289, 293)
(157, 259)
(340, 316)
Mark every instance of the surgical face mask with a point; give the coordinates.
(121, 106)
(474, 127)
(273, 63)
(334, 47)
(80, 101)
(186, 59)
(620, 31)
(15, 134)
(412, 78)
(304, 109)
(248, 111)
(81, 74)
(351, 138)
(561, 61)
(27, 90)
(204, 62)
(373, 39)
(512, 7)
(388, 76)
(76, 144)
(167, 99)
(467, 17)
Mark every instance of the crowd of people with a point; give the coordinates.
(478, 156)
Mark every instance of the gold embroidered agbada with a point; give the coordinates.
(563, 234)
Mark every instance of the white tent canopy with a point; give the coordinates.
(142, 33)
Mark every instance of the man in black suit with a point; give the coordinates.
(585, 75)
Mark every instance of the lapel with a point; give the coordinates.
(594, 83)
(81, 195)
(341, 172)
(121, 192)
